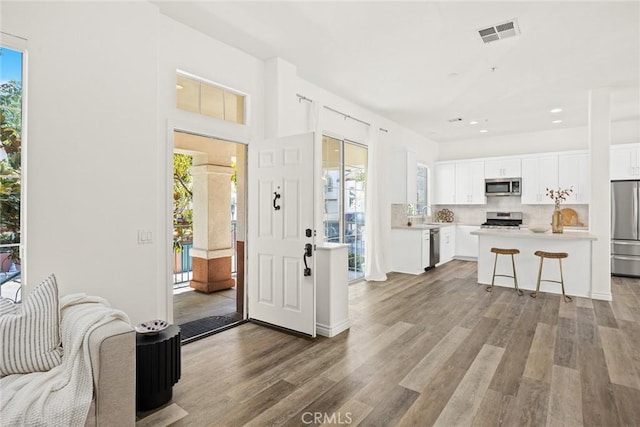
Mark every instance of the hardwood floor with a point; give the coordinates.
(434, 349)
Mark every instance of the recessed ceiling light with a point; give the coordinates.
(557, 121)
(483, 131)
(556, 110)
(473, 122)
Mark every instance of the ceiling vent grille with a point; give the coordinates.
(499, 31)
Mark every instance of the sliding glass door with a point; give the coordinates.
(344, 173)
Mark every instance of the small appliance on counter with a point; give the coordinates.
(502, 187)
(625, 228)
(503, 220)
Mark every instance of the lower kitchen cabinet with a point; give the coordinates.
(410, 250)
(447, 243)
(466, 244)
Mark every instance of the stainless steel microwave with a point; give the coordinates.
(502, 187)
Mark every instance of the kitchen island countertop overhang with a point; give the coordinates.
(576, 268)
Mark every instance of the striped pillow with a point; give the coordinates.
(30, 335)
(7, 306)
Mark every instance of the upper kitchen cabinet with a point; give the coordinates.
(538, 174)
(469, 183)
(445, 184)
(573, 172)
(403, 177)
(503, 168)
(625, 161)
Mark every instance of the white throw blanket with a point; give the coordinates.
(61, 396)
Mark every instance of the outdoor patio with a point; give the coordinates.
(190, 305)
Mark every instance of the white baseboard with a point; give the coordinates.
(332, 331)
(604, 296)
(466, 258)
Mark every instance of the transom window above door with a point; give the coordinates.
(209, 99)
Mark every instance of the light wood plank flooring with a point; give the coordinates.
(434, 349)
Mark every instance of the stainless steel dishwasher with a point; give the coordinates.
(434, 247)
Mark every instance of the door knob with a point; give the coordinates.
(308, 253)
(276, 196)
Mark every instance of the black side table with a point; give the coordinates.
(157, 367)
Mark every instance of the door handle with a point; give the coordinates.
(308, 253)
(276, 196)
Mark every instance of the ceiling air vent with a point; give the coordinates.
(499, 31)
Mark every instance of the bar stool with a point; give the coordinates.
(553, 255)
(500, 251)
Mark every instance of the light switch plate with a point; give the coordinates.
(144, 237)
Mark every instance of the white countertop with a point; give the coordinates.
(415, 227)
(427, 226)
(331, 245)
(528, 234)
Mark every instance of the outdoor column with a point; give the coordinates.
(212, 251)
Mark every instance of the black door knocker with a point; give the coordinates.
(276, 196)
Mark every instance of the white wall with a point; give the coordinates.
(183, 48)
(92, 147)
(101, 110)
(622, 132)
(294, 116)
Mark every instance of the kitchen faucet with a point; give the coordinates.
(423, 211)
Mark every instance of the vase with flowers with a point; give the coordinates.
(558, 196)
(411, 211)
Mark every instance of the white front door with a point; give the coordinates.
(281, 209)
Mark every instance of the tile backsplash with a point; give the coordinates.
(477, 214)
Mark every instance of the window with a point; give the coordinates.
(422, 188)
(10, 168)
(210, 100)
(344, 172)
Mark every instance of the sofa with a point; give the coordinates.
(112, 350)
(79, 359)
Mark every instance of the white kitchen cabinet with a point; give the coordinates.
(625, 161)
(466, 243)
(447, 243)
(538, 174)
(469, 183)
(573, 172)
(445, 184)
(409, 250)
(503, 168)
(403, 177)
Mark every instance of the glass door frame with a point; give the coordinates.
(341, 197)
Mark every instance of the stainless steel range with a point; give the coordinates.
(503, 220)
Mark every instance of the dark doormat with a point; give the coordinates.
(205, 325)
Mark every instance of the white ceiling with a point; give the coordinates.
(423, 63)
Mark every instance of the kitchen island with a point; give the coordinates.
(576, 268)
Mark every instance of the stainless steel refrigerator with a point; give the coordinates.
(625, 228)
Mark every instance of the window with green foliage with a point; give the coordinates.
(182, 201)
(10, 158)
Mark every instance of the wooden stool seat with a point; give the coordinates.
(551, 255)
(505, 251)
(554, 255)
(502, 251)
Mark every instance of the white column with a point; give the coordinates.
(211, 211)
(280, 97)
(599, 209)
